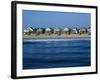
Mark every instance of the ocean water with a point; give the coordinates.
(38, 54)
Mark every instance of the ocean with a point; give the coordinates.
(56, 53)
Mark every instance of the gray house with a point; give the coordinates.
(57, 31)
(89, 31)
(74, 31)
(39, 31)
(82, 31)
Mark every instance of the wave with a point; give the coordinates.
(68, 39)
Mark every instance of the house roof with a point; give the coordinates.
(66, 29)
(48, 29)
(26, 30)
(30, 28)
(40, 29)
(57, 29)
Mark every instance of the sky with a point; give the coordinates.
(52, 19)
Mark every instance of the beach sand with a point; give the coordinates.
(55, 36)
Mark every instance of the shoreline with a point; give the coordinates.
(38, 40)
(54, 39)
(71, 36)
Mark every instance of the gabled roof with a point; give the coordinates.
(48, 29)
(66, 29)
(57, 29)
(30, 28)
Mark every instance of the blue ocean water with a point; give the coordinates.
(56, 53)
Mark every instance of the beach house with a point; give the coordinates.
(30, 29)
(89, 31)
(57, 31)
(39, 31)
(48, 31)
(25, 31)
(66, 31)
(74, 31)
(82, 31)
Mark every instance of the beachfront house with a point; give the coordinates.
(89, 31)
(48, 31)
(66, 31)
(30, 29)
(82, 31)
(74, 31)
(26, 31)
(39, 31)
(57, 31)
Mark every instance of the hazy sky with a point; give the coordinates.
(45, 19)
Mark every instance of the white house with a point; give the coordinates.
(66, 30)
(30, 28)
(26, 31)
(48, 31)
